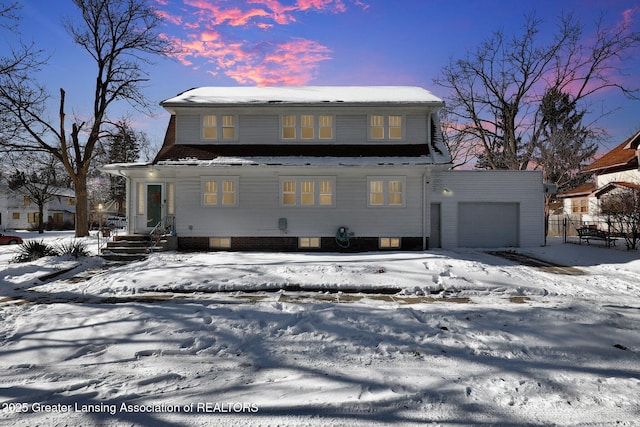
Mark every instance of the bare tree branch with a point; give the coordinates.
(121, 36)
(495, 91)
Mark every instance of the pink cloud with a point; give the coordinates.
(265, 65)
(628, 16)
(336, 6)
(208, 42)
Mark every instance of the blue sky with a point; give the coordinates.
(312, 42)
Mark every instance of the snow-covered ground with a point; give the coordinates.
(212, 339)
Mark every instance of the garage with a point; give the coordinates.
(488, 224)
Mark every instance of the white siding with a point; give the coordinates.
(259, 209)
(188, 129)
(259, 129)
(627, 176)
(417, 129)
(263, 127)
(525, 188)
(351, 129)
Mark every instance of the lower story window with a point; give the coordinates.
(220, 191)
(220, 242)
(309, 242)
(389, 242)
(580, 205)
(307, 191)
(386, 191)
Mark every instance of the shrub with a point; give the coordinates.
(74, 248)
(31, 250)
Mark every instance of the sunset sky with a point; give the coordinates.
(315, 42)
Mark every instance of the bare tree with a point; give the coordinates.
(495, 91)
(621, 206)
(8, 15)
(38, 179)
(461, 145)
(120, 36)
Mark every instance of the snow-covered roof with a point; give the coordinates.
(303, 95)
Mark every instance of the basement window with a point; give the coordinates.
(309, 242)
(389, 243)
(220, 242)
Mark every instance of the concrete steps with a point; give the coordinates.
(135, 247)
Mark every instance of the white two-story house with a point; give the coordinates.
(19, 211)
(321, 168)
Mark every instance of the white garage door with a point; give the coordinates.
(487, 225)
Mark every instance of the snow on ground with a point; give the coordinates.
(440, 337)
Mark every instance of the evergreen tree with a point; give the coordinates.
(565, 144)
(122, 147)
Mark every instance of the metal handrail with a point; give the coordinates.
(166, 225)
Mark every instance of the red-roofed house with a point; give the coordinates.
(615, 170)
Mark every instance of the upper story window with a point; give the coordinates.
(220, 191)
(219, 127)
(27, 201)
(386, 191)
(288, 127)
(386, 127)
(307, 127)
(307, 191)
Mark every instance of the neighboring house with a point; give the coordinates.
(322, 168)
(616, 169)
(61, 209)
(18, 211)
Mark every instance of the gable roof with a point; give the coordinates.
(616, 184)
(622, 157)
(302, 95)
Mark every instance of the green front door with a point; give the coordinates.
(154, 204)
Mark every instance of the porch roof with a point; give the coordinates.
(580, 191)
(300, 161)
(616, 184)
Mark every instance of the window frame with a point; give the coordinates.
(300, 124)
(312, 242)
(317, 194)
(219, 242)
(580, 205)
(220, 191)
(389, 242)
(386, 191)
(220, 127)
(386, 127)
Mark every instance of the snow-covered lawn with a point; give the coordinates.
(212, 339)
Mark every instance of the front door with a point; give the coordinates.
(154, 204)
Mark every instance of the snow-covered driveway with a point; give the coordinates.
(471, 338)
